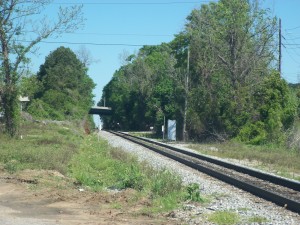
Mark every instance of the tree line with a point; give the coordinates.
(220, 72)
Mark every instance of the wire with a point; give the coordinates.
(99, 44)
(289, 44)
(129, 3)
(116, 34)
(293, 28)
(88, 43)
(294, 38)
(292, 57)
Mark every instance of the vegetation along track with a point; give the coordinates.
(283, 192)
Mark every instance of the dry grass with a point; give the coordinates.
(285, 162)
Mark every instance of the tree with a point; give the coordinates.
(85, 56)
(275, 110)
(231, 51)
(142, 92)
(16, 20)
(66, 90)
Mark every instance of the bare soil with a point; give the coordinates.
(47, 197)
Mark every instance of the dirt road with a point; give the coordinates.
(47, 198)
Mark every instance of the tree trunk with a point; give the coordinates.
(10, 94)
(11, 110)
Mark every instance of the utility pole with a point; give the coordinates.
(279, 60)
(186, 95)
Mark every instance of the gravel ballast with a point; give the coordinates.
(225, 197)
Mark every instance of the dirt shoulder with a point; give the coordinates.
(47, 197)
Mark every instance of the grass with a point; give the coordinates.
(100, 166)
(41, 147)
(257, 219)
(94, 164)
(284, 162)
(224, 217)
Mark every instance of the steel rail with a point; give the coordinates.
(258, 174)
(280, 200)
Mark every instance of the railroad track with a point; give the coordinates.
(281, 191)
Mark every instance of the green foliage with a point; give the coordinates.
(165, 182)
(99, 166)
(12, 166)
(225, 69)
(233, 90)
(9, 101)
(224, 60)
(141, 91)
(41, 110)
(193, 193)
(274, 111)
(224, 217)
(132, 177)
(62, 89)
(30, 86)
(165, 203)
(13, 50)
(253, 133)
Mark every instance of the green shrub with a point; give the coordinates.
(99, 166)
(193, 193)
(253, 133)
(11, 166)
(131, 177)
(166, 203)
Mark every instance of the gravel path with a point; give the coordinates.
(225, 197)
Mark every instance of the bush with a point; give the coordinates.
(41, 110)
(274, 111)
(253, 133)
(131, 177)
(193, 193)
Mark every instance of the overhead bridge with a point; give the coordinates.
(97, 110)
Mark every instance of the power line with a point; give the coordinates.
(124, 34)
(293, 28)
(129, 3)
(294, 38)
(106, 44)
(88, 43)
(102, 44)
(291, 56)
(294, 48)
(289, 44)
(115, 34)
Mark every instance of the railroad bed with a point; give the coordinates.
(285, 193)
(220, 196)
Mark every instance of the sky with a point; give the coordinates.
(116, 28)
